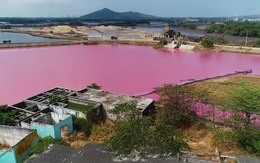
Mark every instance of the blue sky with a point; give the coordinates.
(161, 8)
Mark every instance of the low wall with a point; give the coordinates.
(20, 140)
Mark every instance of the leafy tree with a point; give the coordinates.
(207, 42)
(140, 136)
(94, 86)
(219, 40)
(249, 139)
(125, 111)
(256, 43)
(7, 117)
(252, 29)
(174, 105)
(244, 103)
(81, 124)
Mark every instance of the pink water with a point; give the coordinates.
(119, 68)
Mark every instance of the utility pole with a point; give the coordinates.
(246, 38)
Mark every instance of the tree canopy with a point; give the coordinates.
(252, 29)
(7, 117)
(174, 105)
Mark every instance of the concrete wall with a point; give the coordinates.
(21, 141)
(61, 110)
(12, 135)
(45, 130)
(65, 122)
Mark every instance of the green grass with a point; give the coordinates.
(220, 89)
(79, 107)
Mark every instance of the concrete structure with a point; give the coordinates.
(50, 124)
(110, 100)
(15, 143)
(58, 100)
(50, 111)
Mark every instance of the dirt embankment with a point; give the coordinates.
(85, 35)
(102, 35)
(225, 48)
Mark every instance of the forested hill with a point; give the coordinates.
(109, 14)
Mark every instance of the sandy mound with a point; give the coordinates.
(59, 29)
(110, 27)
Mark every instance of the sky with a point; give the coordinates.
(160, 8)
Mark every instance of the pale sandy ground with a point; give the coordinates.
(102, 34)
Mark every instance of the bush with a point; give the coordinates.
(220, 40)
(175, 103)
(94, 86)
(249, 139)
(81, 124)
(141, 136)
(207, 42)
(256, 43)
(163, 41)
(7, 117)
(44, 142)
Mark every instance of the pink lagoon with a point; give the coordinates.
(132, 70)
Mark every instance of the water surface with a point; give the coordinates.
(119, 68)
(24, 38)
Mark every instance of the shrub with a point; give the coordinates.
(7, 117)
(207, 42)
(256, 43)
(175, 103)
(141, 136)
(44, 142)
(220, 40)
(81, 124)
(249, 139)
(94, 86)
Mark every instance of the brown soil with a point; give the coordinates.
(99, 134)
(4, 146)
(202, 140)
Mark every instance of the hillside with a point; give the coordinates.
(109, 14)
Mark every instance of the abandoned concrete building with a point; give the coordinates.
(15, 143)
(77, 103)
(50, 113)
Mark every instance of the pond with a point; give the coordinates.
(25, 38)
(127, 69)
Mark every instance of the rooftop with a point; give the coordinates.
(92, 152)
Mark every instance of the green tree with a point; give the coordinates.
(140, 136)
(7, 117)
(125, 111)
(249, 139)
(94, 86)
(174, 105)
(207, 42)
(256, 43)
(244, 103)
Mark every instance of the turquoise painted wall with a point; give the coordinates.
(43, 130)
(7, 157)
(66, 122)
